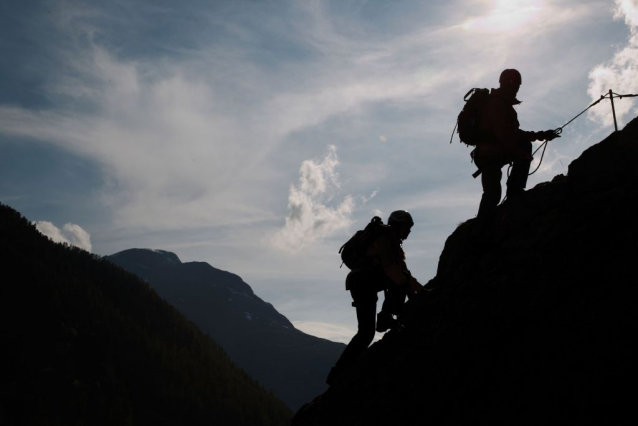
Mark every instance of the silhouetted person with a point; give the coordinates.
(385, 269)
(503, 142)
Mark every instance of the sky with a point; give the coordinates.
(259, 135)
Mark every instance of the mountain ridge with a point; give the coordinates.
(85, 342)
(258, 338)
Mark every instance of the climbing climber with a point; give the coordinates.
(503, 142)
(380, 267)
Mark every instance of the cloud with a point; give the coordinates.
(627, 10)
(364, 199)
(310, 217)
(506, 15)
(70, 234)
(619, 74)
(184, 136)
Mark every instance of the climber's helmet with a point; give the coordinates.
(401, 221)
(400, 217)
(510, 77)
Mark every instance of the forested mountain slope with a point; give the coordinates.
(86, 343)
(257, 337)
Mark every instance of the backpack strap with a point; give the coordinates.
(469, 94)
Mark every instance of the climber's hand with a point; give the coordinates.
(549, 135)
(415, 285)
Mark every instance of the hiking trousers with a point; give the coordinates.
(364, 295)
(491, 175)
(365, 301)
(394, 300)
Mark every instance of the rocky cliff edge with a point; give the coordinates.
(534, 324)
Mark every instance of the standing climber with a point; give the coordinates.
(503, 142)
(383, 268)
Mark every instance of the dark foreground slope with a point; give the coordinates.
(535, 325)
(82, 342)
(257, 337)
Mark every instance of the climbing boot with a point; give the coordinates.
(385, 322)
(514, 195)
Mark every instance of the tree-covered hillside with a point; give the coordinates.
(86, 343)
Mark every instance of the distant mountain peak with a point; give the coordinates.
(255, 335)
(152, 257)
(95, 345)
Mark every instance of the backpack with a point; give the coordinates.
(469, 120)
(353, 252)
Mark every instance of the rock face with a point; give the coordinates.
(534, 323)
(294, 365)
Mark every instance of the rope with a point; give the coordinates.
(624, 96)
(544, 145)
(452, 137)
(605, 96)
(560, 129)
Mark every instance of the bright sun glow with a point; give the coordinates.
(506, 15)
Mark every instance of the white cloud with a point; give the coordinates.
(365, 199)
(619, 74)
(310, 217)
(185, 143)
(173, 155)
(70, 234)
(506, 15)
(627, 10)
